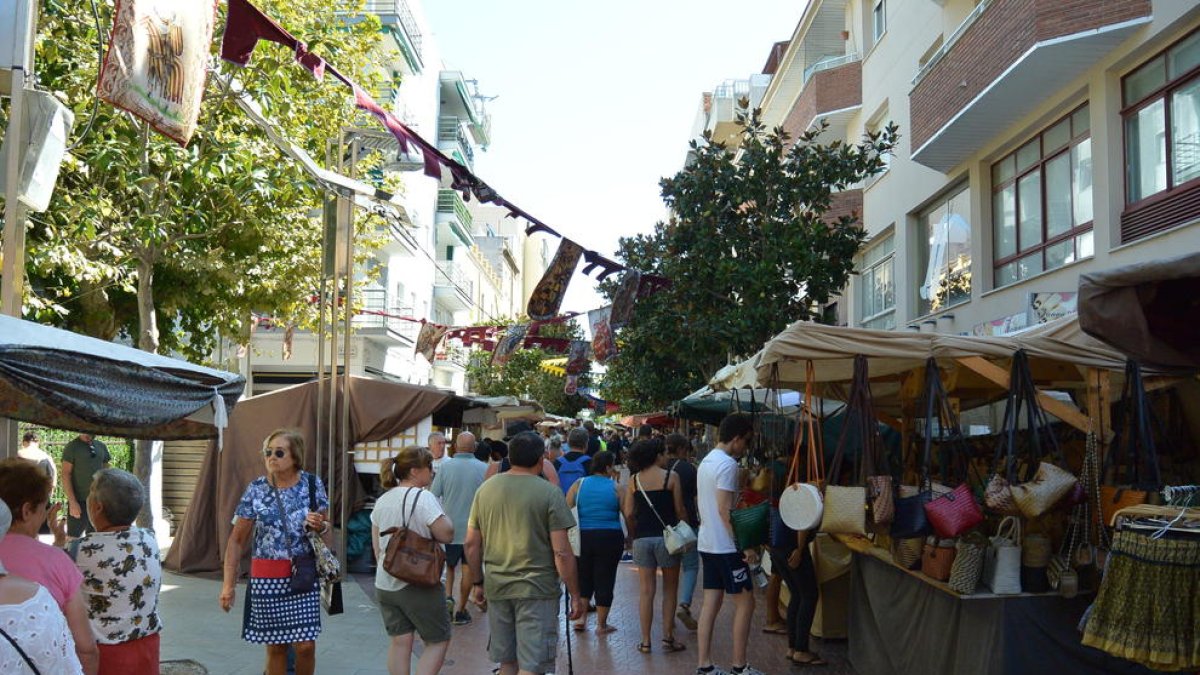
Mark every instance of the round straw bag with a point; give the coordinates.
(800, 506)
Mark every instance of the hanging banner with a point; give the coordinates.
(511, 342)
(624, 300)
(157, 62)
(547, 298)
(577, 357)
(603, 345)
(572, 385)
(427, 340)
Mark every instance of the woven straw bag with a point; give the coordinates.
(882, 496)
(999, 498)
(1002, 564)
(1047, 489)
(1036, 550)
(801, 506)
(907, 552)
(968, 564)
(845, 510)
(937, 559)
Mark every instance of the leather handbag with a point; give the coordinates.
(801, 505)
(938, 559)
(680, 537)
(1049, 485)
(1002, 564)
(411, 557)
(954, 513)
(967, 569)
(910, 520)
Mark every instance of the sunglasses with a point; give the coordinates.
(279, 454)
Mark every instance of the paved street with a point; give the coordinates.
(354, 643)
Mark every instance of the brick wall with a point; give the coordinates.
(1001, 34)
(845, 203)
(828, 90)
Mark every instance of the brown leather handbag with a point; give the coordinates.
(409, 556)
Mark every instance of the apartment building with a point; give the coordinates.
(1040, 140)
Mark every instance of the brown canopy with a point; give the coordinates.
(1149, 310)
(378, 410)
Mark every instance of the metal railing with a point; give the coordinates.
(954, 37)
(450, 130)
(449, 201)
(450, 274)
(829, 64)
(376, 300)
(404, 16)
(458, 356)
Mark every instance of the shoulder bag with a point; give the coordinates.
(411, 557)
(846, 505)
(573, 534)
(953, 513)
(679, 537)
(1133, 456)
(1002, 565)
(968, 563)
(304, 567)
(329, 570)
(801, 506)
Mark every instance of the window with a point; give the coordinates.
(1042, 201)
(878, 20)
(1162, 121)
(947, 257)
(877, 290)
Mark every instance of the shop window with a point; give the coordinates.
(945, 230)
(877, 295)
(1042, 201)
(1162, 132)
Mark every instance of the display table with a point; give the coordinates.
(906, 624)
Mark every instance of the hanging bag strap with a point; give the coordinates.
(28, 661)
(312, 492)
(283, 521)
(638, 481)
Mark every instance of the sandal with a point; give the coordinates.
(671, 645)
(813, 660)
(644, 648)
(775, 630)
(580, 627)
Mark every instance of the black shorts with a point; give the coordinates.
(726, 571)
(454, 555)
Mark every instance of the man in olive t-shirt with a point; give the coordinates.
(517, 545)
(81, 459)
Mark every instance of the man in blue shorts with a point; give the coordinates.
(726, 570)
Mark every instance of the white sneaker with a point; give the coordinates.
(715, 671)
(748, 670)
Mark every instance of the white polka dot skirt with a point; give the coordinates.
(277, 615)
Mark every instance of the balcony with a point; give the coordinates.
(453, 287)
(1002, 62)
(456, 101)
(453, 142)
(453, 357)
(398, 21)
(725, 104)
(831, 91)
(453, 220)
(377, 325)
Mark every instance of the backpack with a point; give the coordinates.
(571, 471)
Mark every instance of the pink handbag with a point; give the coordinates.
(954, 513)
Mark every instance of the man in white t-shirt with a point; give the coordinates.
(726, 570)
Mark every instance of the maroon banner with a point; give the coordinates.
(547, 298)
(624, 300)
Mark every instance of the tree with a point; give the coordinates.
(749, 248)
(522, 374)
(174, 246)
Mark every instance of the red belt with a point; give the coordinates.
(263, 568)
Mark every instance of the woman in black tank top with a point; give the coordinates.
(655, 498)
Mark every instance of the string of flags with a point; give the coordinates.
(169, 99)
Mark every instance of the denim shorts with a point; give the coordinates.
(652, 552)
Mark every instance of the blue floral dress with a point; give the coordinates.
(274, 613)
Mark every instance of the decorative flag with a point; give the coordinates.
(623, 301)
(603, 345)
(549, 344)
(427, 340)
(157, 62)
(548, 296)
(510, 343)
(572, 385)
(246, 25)
(577, 357)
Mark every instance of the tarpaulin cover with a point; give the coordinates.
(1148, 310)
(378, 410)
(900, 625)
(61, 379)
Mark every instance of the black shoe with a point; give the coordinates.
(461, 618)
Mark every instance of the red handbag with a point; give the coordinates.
(954, 513)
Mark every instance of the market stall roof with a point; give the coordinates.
(654, 419)
(65, 380)
(379, 410)
(451, 414)
(710, 407)
(1148, 310)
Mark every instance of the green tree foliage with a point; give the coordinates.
(522, 375)
(749, 248)
(177, 245)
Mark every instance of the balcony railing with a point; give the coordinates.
(404, 16)
(450, 130)
(949, 43)
(378, 313)
(829, 64)
(449, 354)
(450, 274)
(449, 201)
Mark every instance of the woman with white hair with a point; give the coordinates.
(121, 575)
(34, 636)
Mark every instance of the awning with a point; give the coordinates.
(64, 380)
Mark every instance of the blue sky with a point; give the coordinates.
(596, 100)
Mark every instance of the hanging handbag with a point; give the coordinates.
(328, 567)
(304, 567)
(680, 537)
(801, 506)
(1002, 564)
(410, 557)
(1048, 487)
(751, 525)
(1133, 468)
(938, 558)
(906, 553)
(967, 569)
(846, 506)
(954, 513)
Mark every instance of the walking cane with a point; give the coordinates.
(567, 626)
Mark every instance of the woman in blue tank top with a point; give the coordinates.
(601, 540)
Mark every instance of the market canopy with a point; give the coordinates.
(1147, 310)
(710, 406)
(64, 380)
(379, 410)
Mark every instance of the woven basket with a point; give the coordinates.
(1036, 551)
(1047, 489)
(937, 559)
(845, 510)
(967, 569)
(882, 496)
(999, 498)
(907, 552)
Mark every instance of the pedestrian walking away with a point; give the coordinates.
(575, 463)
(679, 463)
(519, 553)
(455, 485)
(601, 540)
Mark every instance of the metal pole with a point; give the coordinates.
(334, 487)
(347, 442)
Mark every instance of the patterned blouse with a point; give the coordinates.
(122, 576)
(259, 504)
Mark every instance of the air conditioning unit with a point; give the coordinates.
(47, 127)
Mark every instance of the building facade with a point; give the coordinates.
(1039, 140)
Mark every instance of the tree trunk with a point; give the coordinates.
(147, 341)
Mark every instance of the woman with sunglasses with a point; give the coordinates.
(275, 508)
